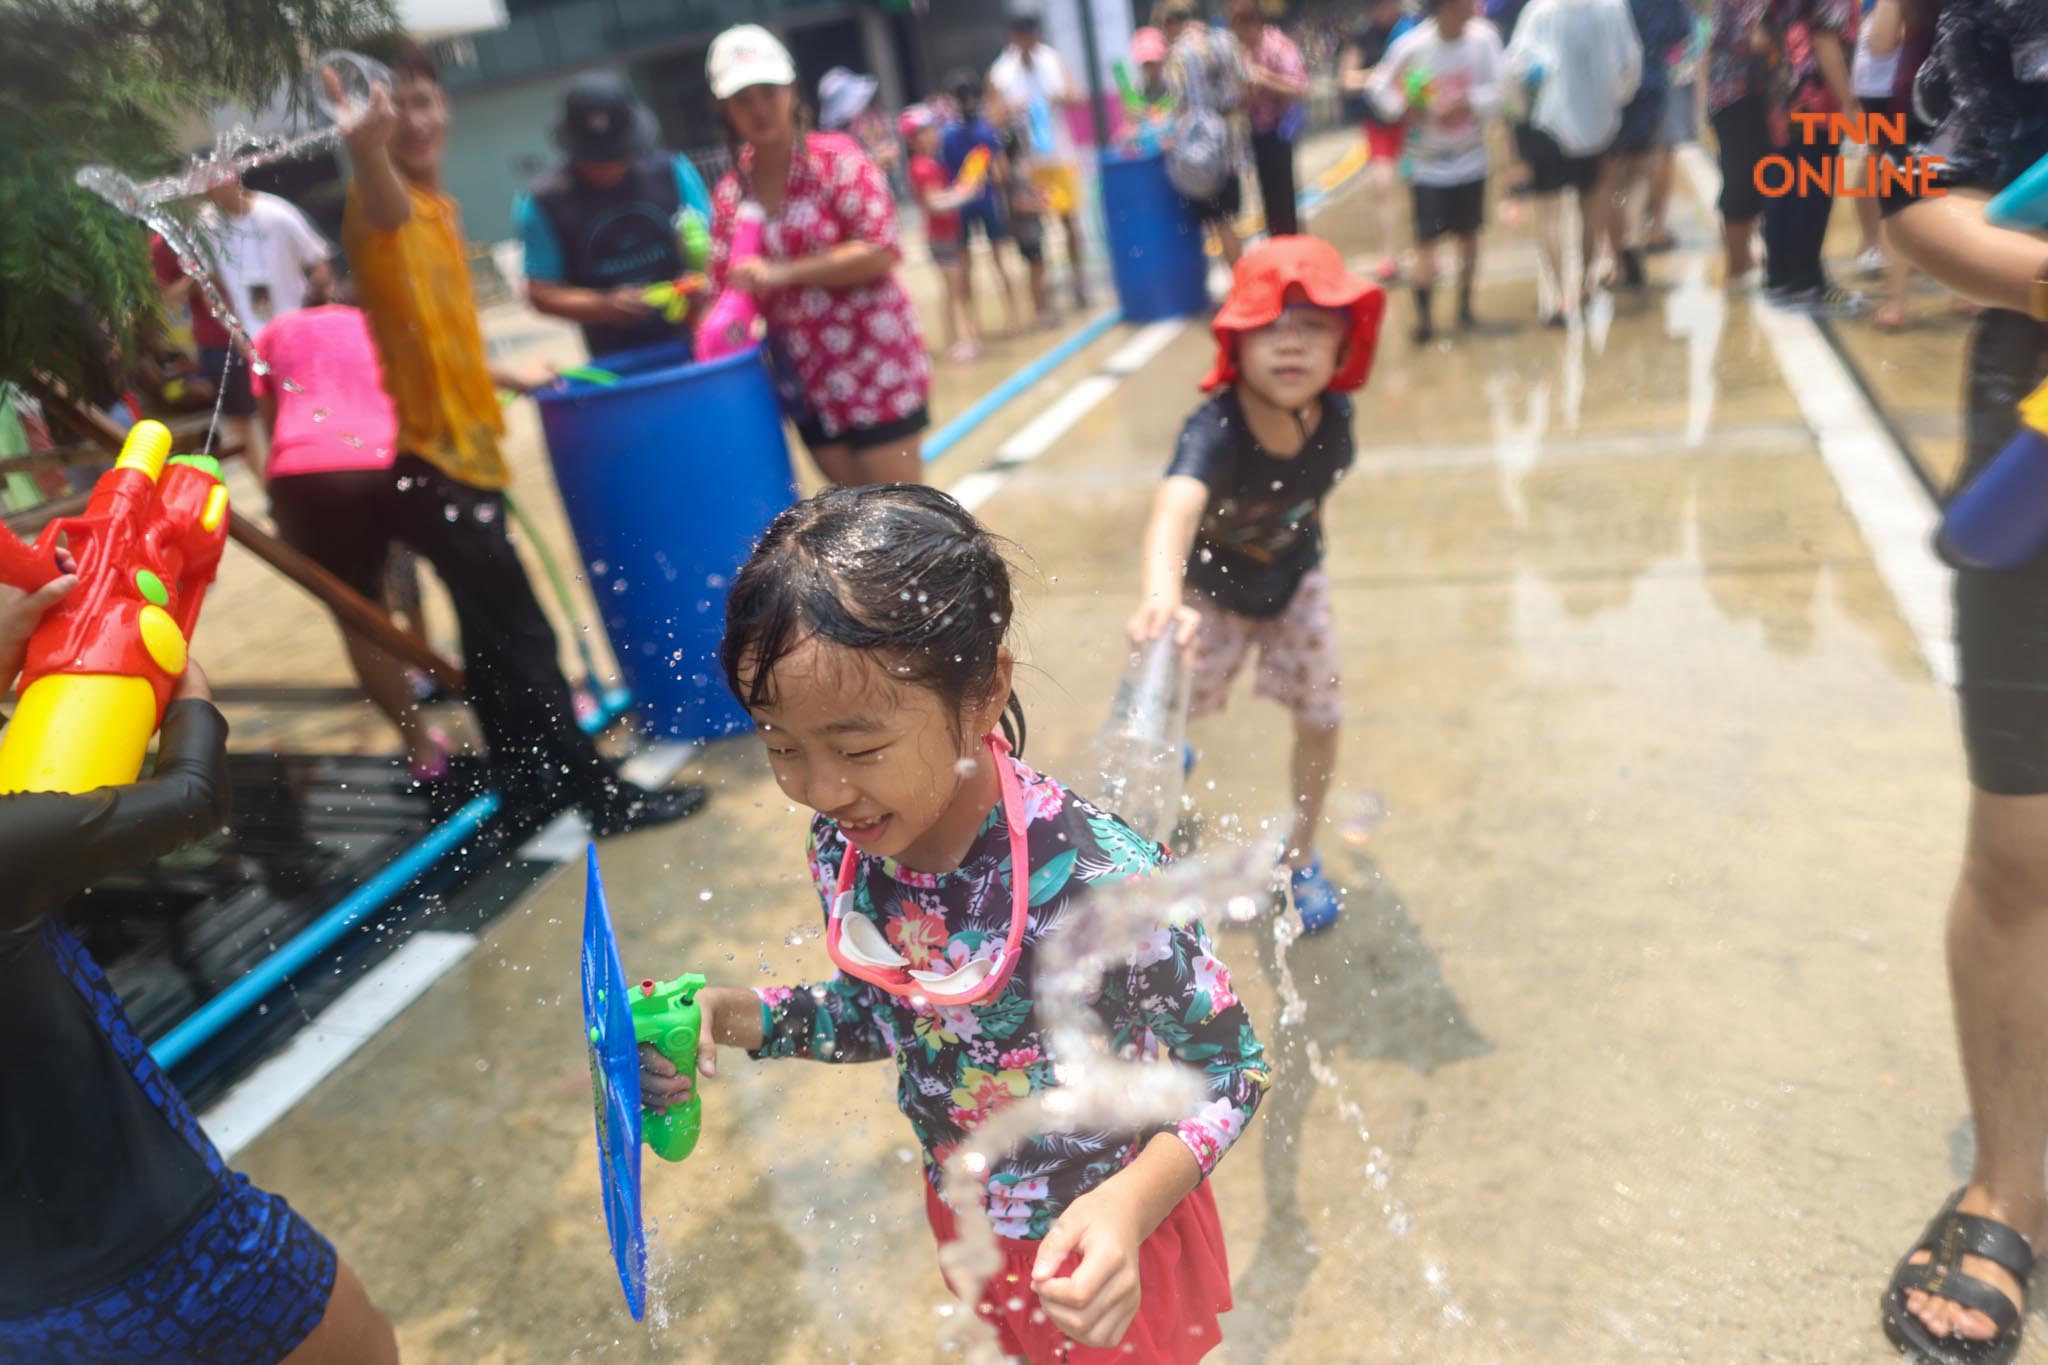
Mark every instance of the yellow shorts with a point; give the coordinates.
(1061, 188)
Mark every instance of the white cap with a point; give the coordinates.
(744, 55)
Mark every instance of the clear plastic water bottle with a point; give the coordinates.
(1141, 749)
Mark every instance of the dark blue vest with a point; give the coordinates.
(618, 234)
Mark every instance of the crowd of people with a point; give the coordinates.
(380, 413)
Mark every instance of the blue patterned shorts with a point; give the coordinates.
(245, 1283)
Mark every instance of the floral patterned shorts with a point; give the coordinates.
(1298, 664)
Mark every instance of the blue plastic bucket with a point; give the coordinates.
(669, 477)
(1155, 244)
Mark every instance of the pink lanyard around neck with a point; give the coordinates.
(898, 981)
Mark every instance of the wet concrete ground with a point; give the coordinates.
(1638, 1000)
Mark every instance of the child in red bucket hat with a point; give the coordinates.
(1234, 550)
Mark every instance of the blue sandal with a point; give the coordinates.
(1318, 902)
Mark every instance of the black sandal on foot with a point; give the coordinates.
(1950, 1237)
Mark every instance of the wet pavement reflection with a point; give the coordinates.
(1631, 1046)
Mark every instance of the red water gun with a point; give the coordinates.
(103, 663)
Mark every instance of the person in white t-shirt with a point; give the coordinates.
(1577, 63)
(1444, 77)
(1034, 89)
(269, 260)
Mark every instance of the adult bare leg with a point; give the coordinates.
(1738, 245)
(1997, 957)
(900, 463)
(352, 1332)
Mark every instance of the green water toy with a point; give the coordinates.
(665, 1014)
(1419, 84)
(590, 374)
(693, 234)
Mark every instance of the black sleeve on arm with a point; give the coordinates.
(52, 845)
(1969, 101)
(1207, 449)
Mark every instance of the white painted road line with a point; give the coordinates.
(1895, 515)
(268, 1093)
(1144, 346)
(976, 488)
(1039, 434)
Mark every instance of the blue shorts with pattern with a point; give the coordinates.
(246, 1282)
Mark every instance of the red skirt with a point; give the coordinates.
(1183, 1272)
(1386, 141)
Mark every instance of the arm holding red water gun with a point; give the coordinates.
(103, 664)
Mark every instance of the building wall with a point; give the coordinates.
(498, 140)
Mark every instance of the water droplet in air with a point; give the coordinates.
(319, 414)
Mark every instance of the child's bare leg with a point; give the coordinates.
(950, 277)
(1315, 763)
(1002, 269)
(959, 306)
(383, 677)
(1386, 185)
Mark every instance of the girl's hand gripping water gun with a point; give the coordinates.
(729, 326)
(103, 664)
(665, 1014)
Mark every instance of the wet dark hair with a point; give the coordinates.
(402, 55)
(900, 569)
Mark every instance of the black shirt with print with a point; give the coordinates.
(1263, 529)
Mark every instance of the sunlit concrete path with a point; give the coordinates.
(1634, 1040)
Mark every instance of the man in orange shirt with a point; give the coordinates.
(403, 236)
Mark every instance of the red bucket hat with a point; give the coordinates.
(1258, 291)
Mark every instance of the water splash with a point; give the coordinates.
(1101, 932)
(1140, 752)
(236, 152)
(1378, 1168)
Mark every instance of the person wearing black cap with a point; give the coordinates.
(607, 221)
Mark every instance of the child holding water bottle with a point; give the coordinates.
(866, 636)
(1234, 551)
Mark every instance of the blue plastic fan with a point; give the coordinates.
(615, 1089)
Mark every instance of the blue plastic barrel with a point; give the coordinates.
(669, 477)
(1155, 244)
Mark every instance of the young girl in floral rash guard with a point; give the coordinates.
(866, 637)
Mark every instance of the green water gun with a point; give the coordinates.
(1419, 84)
(693, 235)
(1127, 90)
(665, 1014)
(673, 297)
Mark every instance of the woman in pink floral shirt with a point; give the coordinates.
(840, 326)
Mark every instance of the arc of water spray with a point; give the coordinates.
(1101, 932)
(236, 152)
